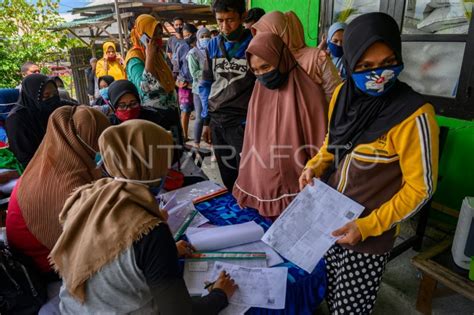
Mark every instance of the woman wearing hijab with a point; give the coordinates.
(26, 124)
(196, 59)
(334, 45)
(64, 161)
(111, 64)
(126, 103)
(116, 253)
(147, 68)
(381, 151)
(276, 148)
(313, 60)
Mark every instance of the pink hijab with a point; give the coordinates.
(313, 60)
(289, 121)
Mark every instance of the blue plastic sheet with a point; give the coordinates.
(304, 291)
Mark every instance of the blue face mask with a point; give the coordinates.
(98, 159)
(377, 82)
(336, 50)
(203, 42)
(104, 93)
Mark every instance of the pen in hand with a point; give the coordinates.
(208, 285)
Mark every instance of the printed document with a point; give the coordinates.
(302, 234)
(258, 287)
(197, 272)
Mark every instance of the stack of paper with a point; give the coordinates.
(303, 233)
(226, 236)
(192, 193)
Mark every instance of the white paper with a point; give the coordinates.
(226, 236)
(191, 192)
(193, 230)
(198, 272)
(171, 203)
(302, 234)
(178, 215)
(258, 287)
(234, 309)
(272, 256)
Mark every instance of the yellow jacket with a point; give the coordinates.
(393, 177)
(112, 68)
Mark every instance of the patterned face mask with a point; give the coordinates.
(376, 82)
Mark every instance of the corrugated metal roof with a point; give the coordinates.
(85, 21)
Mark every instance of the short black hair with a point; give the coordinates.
(188, 27)
(254, 15)
(228, 6)
(178, 18)
(26, 66)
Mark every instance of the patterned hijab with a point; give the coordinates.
(146, 24)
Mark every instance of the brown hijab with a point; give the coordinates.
(313, 60)
(279, 122)
(103, 219)
(146, 24)
(63, 162)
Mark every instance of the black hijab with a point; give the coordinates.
(107, 79)
(119, 88)
(26, 124)
(360, 118)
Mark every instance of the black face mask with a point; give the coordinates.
(273, 80)
(191, 39)
(50, 104)
(179, 30)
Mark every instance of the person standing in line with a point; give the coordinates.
(253, 16)
(196, 58)
(92, 82)
(174, 42)
(111, 64)
(227, 86)
(185, 80)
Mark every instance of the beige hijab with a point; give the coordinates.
(313, 60)
(103, 219)
(63, 162)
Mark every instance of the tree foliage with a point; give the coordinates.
(26, 35)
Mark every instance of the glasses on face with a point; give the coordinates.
(125, 106)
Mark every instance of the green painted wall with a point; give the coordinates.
(307, 11)
(456, 168)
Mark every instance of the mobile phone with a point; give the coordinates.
(145, 39)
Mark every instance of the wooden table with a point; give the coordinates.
(434, 273)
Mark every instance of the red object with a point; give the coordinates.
(159, 42)
(111, 58)
(131, 113)
(174, 180)
(21, 239)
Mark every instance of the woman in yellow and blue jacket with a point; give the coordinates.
(381, 150)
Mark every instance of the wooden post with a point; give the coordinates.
(425, 294)
(119, 26)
